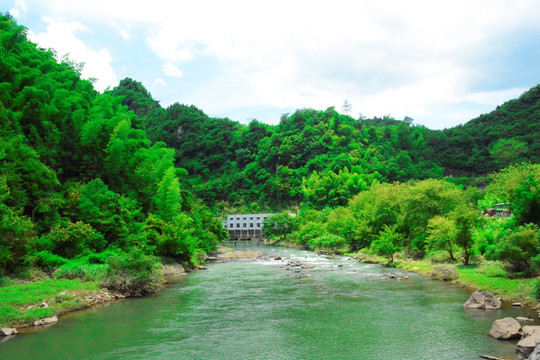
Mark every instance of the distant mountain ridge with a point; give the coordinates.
(232, 162)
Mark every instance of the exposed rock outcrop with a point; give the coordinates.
(100, 297)
(507, 328)
(483, 300)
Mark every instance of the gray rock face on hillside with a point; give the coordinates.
(507, 328)
(483, 300)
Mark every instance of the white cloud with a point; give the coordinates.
(20, 8)
(171, 70)
(389, 57)
(160, 82)
(61, 36)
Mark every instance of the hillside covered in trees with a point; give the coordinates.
(83, 191)
(323, 158)
(109, 186)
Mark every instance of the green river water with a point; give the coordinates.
(257, 309)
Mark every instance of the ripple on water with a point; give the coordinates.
(256, 309)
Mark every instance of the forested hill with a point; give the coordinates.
(323, 157)
(78, 176)
(492, 141)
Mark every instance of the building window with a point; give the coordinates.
(258, 225)
(238, 225)
(251, 225)
(245, 225)
(232, 225)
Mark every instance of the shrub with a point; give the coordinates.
(133, 273)
(444, 272)
(80, 269)
(536, 290)
(49, 261)
(100, 258)
(517, 248)
(327, 242)
(72, 239)
(16, 239)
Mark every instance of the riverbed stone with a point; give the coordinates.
(507, 328)
(8, 331)
(523, 319)
(46, 321)
(528, 342)
(483, 300)
(535, 355)
(308, 266)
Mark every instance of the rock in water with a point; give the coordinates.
(507, 328)
(483, 300)
(525, 346)
(535, 355)
(46, 321)
(523, 319)
(8, 331)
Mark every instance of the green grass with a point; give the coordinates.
(490, 276)
(421, 267)
(493, 278)
(16, 298)
(81, 270)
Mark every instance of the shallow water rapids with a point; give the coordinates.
(264, 309)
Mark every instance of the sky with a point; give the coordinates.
(441, 63)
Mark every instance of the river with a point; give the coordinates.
(257, 309)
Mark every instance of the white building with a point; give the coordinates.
(245, 226)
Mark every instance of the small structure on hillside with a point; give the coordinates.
(499, 210)
(245, 226)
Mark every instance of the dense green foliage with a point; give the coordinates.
(422, 218)
(101, 186)
(323, 158)
(508, 135)
(82, 187)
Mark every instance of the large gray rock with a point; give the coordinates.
(46, 321)
(525, 346)
(507, 328)
(483, 300)
(8, 331)
(535, 355)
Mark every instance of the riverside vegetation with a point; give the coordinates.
(102, 189)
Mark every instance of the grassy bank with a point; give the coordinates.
(21, 302)
(486, 275)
